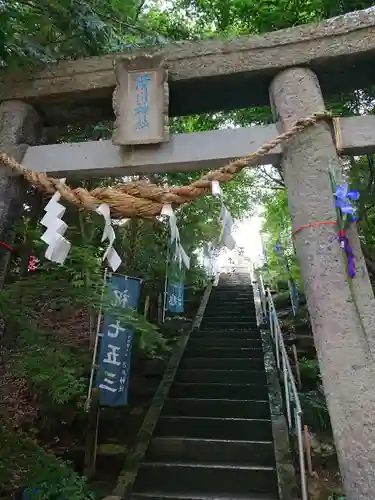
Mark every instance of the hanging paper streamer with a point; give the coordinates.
(180, 254)
(112, 256)
(346, 212)
(176, 297)
(225, 217)
(58, 246)
(210, 257)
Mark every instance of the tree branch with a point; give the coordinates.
(280, 171)
(273, 179)
(370, 162)
(139, 10)
(370, 263)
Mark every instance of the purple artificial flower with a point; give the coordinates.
(278, 248)
(342, 192)
(349, 255)
(353, 218)
(344, 199)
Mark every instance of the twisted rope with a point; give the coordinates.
(142, 199)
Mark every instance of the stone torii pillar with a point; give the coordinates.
(345, 350)
(20, 126)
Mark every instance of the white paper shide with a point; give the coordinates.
(225, 217)
(110, 253)
(58, 247)
(180, 253)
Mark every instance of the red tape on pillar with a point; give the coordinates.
(314, 224)
(6, 246)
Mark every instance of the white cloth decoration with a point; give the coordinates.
(180, 253)
(112, 256)
(225, 217)
(58, 247)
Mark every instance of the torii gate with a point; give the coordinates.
(337, 55)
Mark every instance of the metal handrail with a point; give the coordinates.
(266, 308)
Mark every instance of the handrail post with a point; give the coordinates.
(287, 399)
(263, 296)
(301, 457)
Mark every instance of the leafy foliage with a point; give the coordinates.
(312, 398)
(23, 461)
(53, 370)
(43, 31)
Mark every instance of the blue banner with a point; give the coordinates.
(30, 494)
(175, 298)
(116, 344)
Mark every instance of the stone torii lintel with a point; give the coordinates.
(208, 76)
(185, 152)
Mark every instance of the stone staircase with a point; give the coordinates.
(214, 436)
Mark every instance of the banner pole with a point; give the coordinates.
(91, 444)
(95, 350)
(165, 286)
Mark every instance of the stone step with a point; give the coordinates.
(222, 376)
(211, 451)
(228, 327)
(232, 306)
(161, 495)
(233, 288)
(229, 298)
(227, 301)
(217, 312)
(218, 391)
(190, 477)
(222, 363)
(217, 408)
(224, 352)
(203, 341)
(232, 294)
(214, 428)
(230, 318)
(226, 333)
(234, 321)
